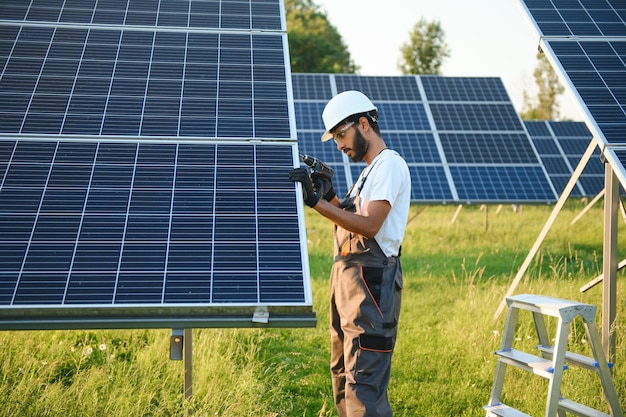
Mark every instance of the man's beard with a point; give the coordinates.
(359, 147)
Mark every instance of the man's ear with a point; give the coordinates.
(364, 123)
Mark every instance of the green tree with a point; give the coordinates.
(314, 44)
(545, 106)
(425, 50)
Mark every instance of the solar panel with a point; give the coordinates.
(560, 145)
(125, 81)
(460, 136)
(586, 42)
(144, 153)
(141, 225)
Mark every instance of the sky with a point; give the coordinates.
(487, 38)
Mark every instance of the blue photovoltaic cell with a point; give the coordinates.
(312, 87)
(487, 148)
(561, 145)
(380, 88)
(475, 116)
(415, 147)
(148, 224)
(474, 124)
(403, 116)
(309, 115)
(507, 183)
(429, 183)
(464, 89)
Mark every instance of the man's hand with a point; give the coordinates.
(323, 186)
(301, 175)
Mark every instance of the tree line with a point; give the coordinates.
(316, 46)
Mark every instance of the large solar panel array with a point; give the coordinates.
(144, 152)
(586, 42)
(461, 137)
(561, 146)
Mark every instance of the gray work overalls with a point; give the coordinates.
(365, 295)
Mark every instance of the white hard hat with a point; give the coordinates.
(342, 106)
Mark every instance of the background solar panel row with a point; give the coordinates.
(461, 137)
(561, 146)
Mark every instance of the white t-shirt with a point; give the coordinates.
(388, 180)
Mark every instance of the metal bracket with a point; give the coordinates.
(261, 315)
(176, 344)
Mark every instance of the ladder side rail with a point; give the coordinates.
(558, 361)
(542, 333)
(507, 343)
(604, 371)
(509, 328)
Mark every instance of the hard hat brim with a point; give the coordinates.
(327, 136)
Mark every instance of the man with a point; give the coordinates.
(366, 278)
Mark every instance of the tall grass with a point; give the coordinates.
(455, 276)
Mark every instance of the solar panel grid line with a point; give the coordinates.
(440, 151)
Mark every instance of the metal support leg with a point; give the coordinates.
(558, 361)
(188, 362)
(609, 258)
(181, 349)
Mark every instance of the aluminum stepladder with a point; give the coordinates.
(553, 359)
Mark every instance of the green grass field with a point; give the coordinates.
(455, 276)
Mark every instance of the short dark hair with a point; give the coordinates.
(371, 116)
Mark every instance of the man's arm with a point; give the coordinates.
(366, 224)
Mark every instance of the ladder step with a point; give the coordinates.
(579, 409)
(532, 363)
(556, 307)
(503, 410)
(575, 359)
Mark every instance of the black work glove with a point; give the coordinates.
(323, 186)
(301, 175)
